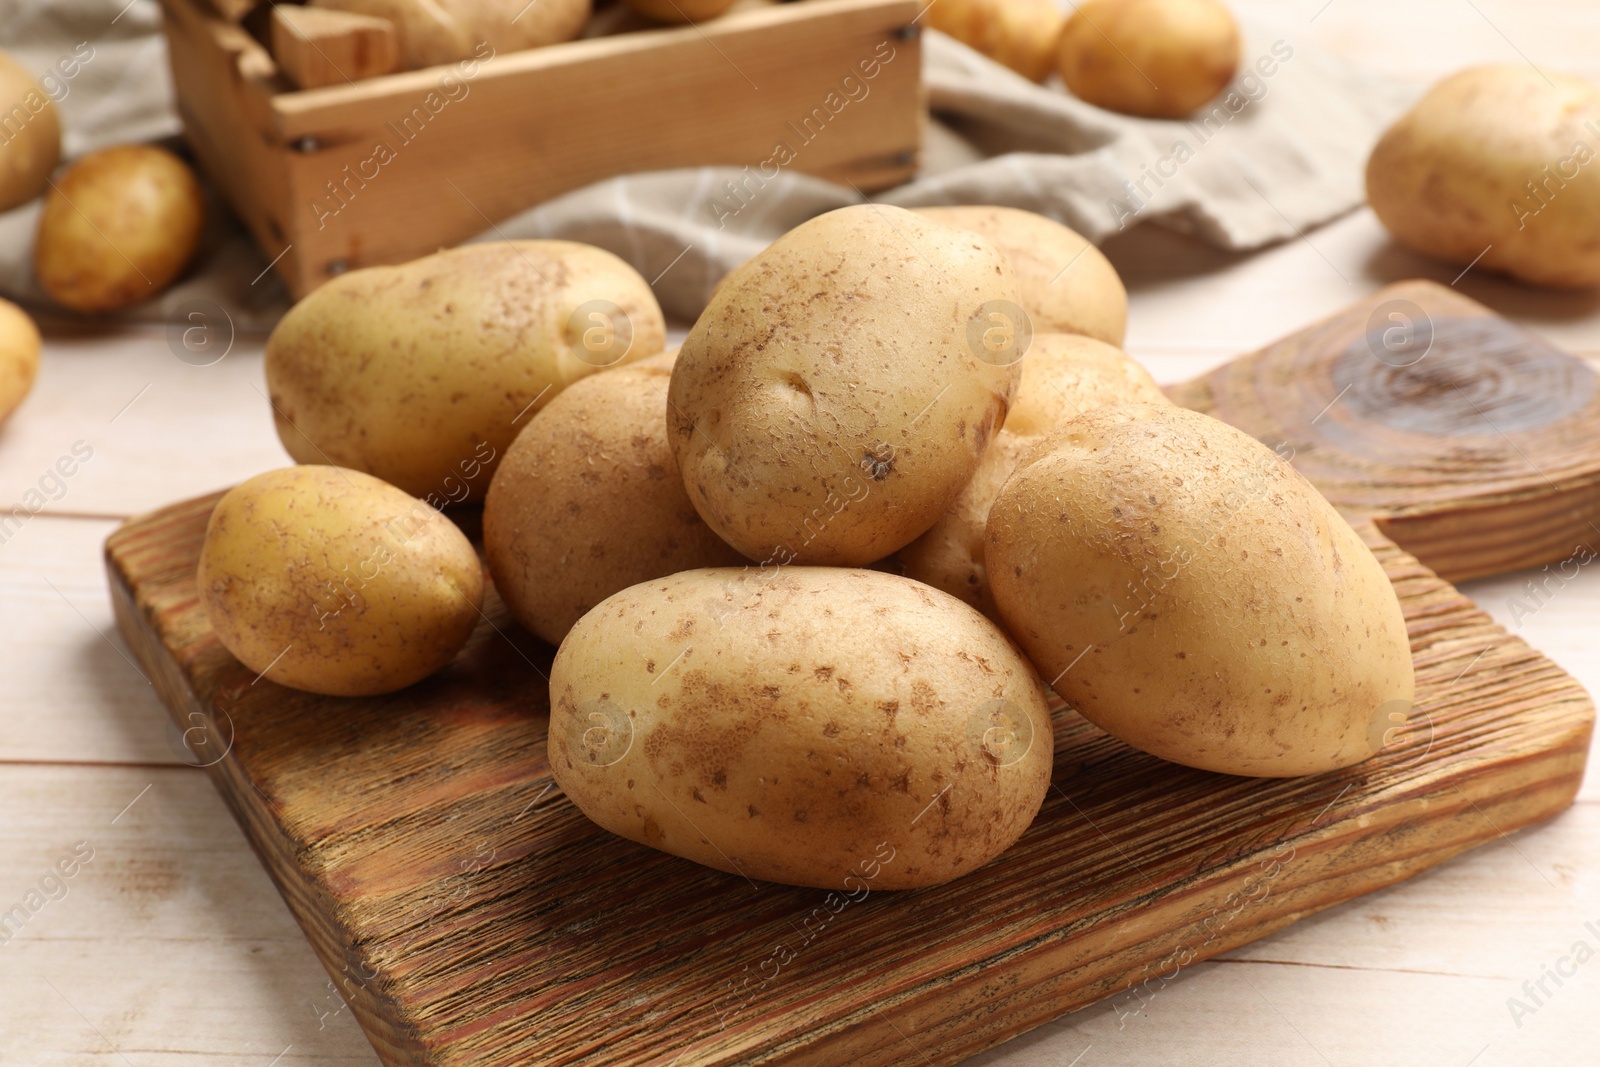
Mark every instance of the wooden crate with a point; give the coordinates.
(384, 170)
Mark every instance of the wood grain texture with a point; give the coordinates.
(1468, 440)
(316, 46)
(390, 168)
(472, 915)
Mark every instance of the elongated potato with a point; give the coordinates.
(30, 135)
(1063, 376)
(796, 724)
(1067, 284)
(1020, 34)
(422, 374)
(840, 388)
(433, 33)
(1192, 594)
(589, 501)
(330, 581)
(1154, 58)
(19, 357)
(1496, 166)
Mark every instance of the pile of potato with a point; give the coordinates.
(806, 572)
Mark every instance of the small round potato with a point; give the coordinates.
(1067, 284)
(1020, 34)
(794, 724)
(1155, 58)
(331, 581)
(30, 135)
(679, 11)
(19, 357)
(119, 228)
(841, 386)
(422, 373)
(1194, 595)
(1063, 375)
(1497, 162)
(589, 501)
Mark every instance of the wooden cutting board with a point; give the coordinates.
(470, 915)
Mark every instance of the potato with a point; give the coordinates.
(1192, 594)
(434, 33)
(1155, 58)
(422, 373)
(19, 357)
(838, 391)
(680, 10)
(1497, 162)
(1020, 34)
(589, 501)
(330, 581)
(793, 724)
(30, 135)
(1067, 285)
(1063, 375)
(118, 228)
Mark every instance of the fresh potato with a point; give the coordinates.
(118, 228)
(19, 357)
(1192, 594)
(433, 33)
(680, 10)
(422, 373)
(1155, 58)
(792, 724)
(331, 581)
(30, 135)
(1063, 375)
(589, 501)
(839, 390)
(1067, 285)
(1020, 34)
(1497, 162)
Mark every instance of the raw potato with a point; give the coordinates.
(1067, 285)
(1155, 58)
(680, 10)
(837, 393)
(30, 139)
(796, 724)
(1020, 34)
(589, 501)
(422, 373)
(1062, 376)
(432, 33)
(19, 357)
(119, 227)
(330, 581)
(1497, 162)
(1195, 596)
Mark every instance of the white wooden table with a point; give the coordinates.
(170, 947)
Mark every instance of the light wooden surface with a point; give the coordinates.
(317, 46)
(171, 947)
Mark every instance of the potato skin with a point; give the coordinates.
(831, 402)
(421, 374)
(786, 724)
(1155, 58)
(1497, 158)
(462, 30)
(1067, 284)
(119, 227)
(32, 150)
(1063, 375)
(330, 581)
(19, 357)
(1195, 596)
(680, 11)
(1020, 34)
(589, 501)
